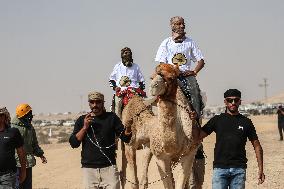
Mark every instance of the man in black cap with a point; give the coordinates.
(232, 130)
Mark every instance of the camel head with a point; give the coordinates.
(164, 80)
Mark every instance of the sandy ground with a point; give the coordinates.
(63, 167)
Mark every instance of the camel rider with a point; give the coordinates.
(126, 80)
(23, 122)
(182, 51)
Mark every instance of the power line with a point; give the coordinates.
(264, 85)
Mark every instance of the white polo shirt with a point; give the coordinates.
(184, 52)
(133, 74)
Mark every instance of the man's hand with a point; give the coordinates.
(87, 121)
(193, 115)
(189, 73)
(43, 159)
(127, 131)
(261, 177)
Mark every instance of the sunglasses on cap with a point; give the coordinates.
(231, 100)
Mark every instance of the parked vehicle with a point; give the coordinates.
(69, 123)
(45, 123)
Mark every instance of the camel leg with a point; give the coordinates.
(145, 165)
(131, 176)
(184, 174)
(164, 167)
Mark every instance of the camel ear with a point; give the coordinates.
(153, 76)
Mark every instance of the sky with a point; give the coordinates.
(53, 53)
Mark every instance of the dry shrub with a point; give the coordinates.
(42, 138)
(63, 137)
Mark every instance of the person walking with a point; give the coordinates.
(97, 131)
(23, 122)
(10, 141)
(232, 131)
(280, 113)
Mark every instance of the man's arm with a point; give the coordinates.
(81, 134)
(199, 66)
(80, 130)
(22, 157)
(197, 133)
(259, 156)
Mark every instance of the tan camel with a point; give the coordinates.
(138, 116)
(168, 135)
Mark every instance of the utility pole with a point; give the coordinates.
(264, 85)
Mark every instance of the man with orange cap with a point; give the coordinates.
(23, 122)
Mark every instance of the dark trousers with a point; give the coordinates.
(281, 130)
(27, 184)
(191, 90)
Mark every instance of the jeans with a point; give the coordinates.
(8, 180)
(233, 178)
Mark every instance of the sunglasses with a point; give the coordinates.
(231, 100)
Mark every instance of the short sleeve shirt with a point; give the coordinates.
(10, 139)
(185, 52)
(126, 76)
(232, 132)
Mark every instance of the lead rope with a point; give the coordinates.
(96, 143)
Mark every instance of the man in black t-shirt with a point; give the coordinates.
(97, 132)
(232, 130)
(280, 113)
(10, 140)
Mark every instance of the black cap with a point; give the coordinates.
(232, 92)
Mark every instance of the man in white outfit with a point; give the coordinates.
(126, 75)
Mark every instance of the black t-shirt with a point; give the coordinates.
(10, 139)
(232, 132)
(104, 130)
(280, 116)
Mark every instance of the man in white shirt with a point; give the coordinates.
(182, 51)
(126, 79)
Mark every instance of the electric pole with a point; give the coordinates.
(264, 85)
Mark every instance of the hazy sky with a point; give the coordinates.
(52, 53)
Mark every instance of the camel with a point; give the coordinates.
(139, 116)
(168, 135)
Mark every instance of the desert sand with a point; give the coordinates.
(63, 167)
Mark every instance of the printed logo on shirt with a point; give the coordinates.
(179, 59)
(124, 81)
(241, 127)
